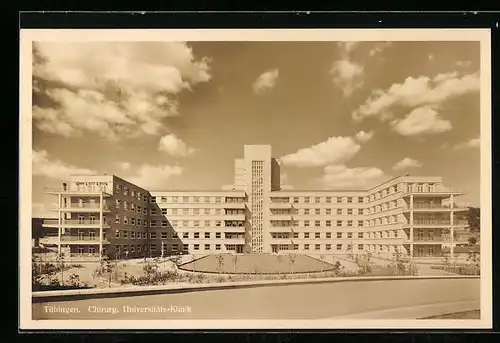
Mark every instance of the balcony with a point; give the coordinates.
(281, 216)
(239, 217)
(85, 207)
(235, 204)
(82, 240)
(78, 192)
(74, 223)
(433, 192)
(280, 205)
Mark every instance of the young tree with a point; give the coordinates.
(292, 257)
(474, 219)
(108, 267)
(220, 262)
(60, 260)
(322, 258)
(193, 259)
(235, 260)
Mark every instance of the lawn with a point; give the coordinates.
(476, 314)
(256, 264)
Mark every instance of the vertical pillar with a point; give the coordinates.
(452, 230)
(411, 226)
(101, 225)
(59, 224)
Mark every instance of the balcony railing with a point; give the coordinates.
(80, 238)
(75, 222)
(96, 206)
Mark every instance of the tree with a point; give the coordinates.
(220, 263)
(108, 266)
(235, 260)
(60, 260)
(292, 257)
(322, 258)
(474, 219)
(193, 259)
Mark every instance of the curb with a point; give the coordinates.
(78, 294)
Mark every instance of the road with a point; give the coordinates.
(307, 301)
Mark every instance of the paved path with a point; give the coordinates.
(308, 301)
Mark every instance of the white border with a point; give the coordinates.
(25, 167)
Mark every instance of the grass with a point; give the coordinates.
(475, 314)
(256, 264)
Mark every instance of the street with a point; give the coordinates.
(308, 301)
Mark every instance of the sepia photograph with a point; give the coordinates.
(202, 179)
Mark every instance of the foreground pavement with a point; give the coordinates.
(300, 301)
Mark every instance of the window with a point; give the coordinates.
(360, 223)
(125, 220)
(217, 247)
(163, 223)
(152, 235)
(185, 199)
(185, 247)
(207, 234)
(306, 222)
(207, 246)
(328, 235)
(328, 199)
(196, 199)
(207, 211)
(339, 222)
(317, 211)
(185, 211)
(132, 221)
(117, 219)
(328, 247)
(175, 235)
(295, 247)
(153, 223)
(339, 211)
(360, 199)
(339, 234)
(117, 234)
(349, 235)
(349, 211)
(295, 235)
(164, 211)
(317, 223)
(306, 200)
(185, 235)
(395, 233)
(125, 234)
(339, 246)
(217, 235)
(174, 223)
(306, 246)
(306, 234)
(296, 200)
(132, 234)
(185, 223)
(349, 223)
(306, 211)
(360, 234)
(218, 200)
(317, 199)
(218, 223)
(328, 223)
(349, 200)
(196, 247)
(316, 247)
(207, 223)
(317, 235)
(339, 200)
(196, 211)
(164, 235)
(153, 211)
(196, 223)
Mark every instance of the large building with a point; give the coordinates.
(106, 215)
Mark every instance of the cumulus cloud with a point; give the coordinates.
(343, 177)
(472, 143)
(347, 47)
(173, 145)
(114, 89)
(421, 121)
(265, 81)
(363, 136)
(55, 169)
(332, 151)
(378, 48)
(124, 165)
(347, 75)
(155, 177)
(415, 92)
(407, 163)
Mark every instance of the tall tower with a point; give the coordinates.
(259, 177)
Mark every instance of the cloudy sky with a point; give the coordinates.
(339, 115)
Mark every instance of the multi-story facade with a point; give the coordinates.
(415, 216)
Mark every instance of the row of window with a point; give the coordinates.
(196, 199)
(175, 235)
(196, 211)
(322, 211)
(339, 235)
(126, 191)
